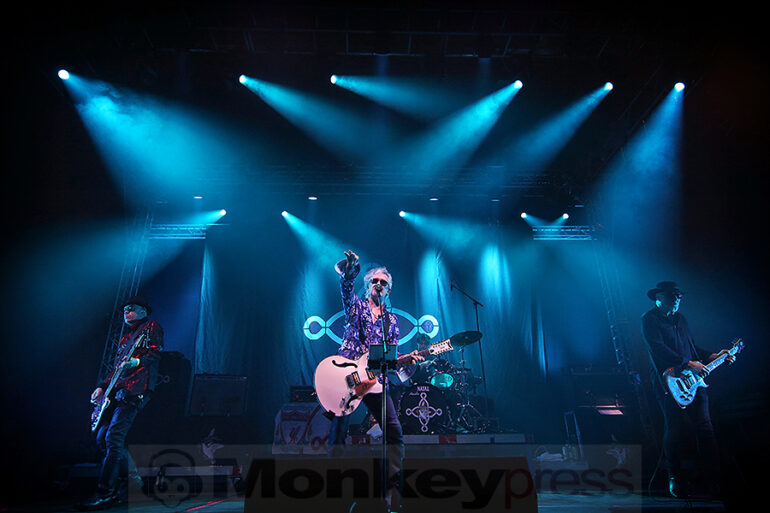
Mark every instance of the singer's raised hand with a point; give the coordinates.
(352, 258)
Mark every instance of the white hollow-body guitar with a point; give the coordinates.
(684, 385)
(341, 383)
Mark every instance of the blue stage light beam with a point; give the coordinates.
(452, 141)
(642, 186)
(87, 257)
(205, 218)
(153, 145)
(433, 288)
(318, 244)
(533, 152)
(533, 221)
(495, 276)
(450, 234)
(334, 128)
(418, 99)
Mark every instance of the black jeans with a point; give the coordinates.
(111, 439)
(394, 434)
(675, 420)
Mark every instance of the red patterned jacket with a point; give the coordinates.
(142, 378)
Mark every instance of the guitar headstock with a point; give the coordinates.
(442, 346)
(738, 345)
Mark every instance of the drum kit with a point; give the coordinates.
(437, 398)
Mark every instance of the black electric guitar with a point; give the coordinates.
(684, 385)
(101, 404)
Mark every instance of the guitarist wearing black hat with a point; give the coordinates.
(119, 398)
(672, 349)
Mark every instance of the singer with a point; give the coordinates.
(367, 321)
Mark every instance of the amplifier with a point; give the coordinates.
(302, 394)
(218, 395)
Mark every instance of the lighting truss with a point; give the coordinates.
(178, 231)
(578, 232)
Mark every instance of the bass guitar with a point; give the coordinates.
(684, 385)
(341, 383)
(101, 404)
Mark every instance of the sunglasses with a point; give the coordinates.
(382, 282)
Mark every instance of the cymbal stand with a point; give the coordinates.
(476, 305)
(467, 412)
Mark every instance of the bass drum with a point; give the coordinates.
(423, 410)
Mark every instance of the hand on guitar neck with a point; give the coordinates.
(730, 358)
(702, 370)
(410, 358)
(96, 395)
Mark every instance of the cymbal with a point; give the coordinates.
(465, 338)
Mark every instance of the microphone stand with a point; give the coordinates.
(476, 305)
(383, 409)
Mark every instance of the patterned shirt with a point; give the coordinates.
(360, 327)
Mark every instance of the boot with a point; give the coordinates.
(676, 487)
(102, 499)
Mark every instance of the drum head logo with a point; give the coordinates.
(423, 411)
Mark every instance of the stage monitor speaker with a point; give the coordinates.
(218, 395)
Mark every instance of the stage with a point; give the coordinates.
(216, 210)
(547, 503)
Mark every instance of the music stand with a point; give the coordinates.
(382, 358)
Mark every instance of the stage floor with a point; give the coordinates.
(547, 502)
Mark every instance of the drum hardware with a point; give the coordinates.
(439, 398)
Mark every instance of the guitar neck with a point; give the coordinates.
(721, 359)
(439, 347)
(116, 375)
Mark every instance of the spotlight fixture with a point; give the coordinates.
(434, 199)
(679, 87)
(565, 215)
(197, 197)
(402, 213)
(223, 212)
(285, 214)
(242, 79)
(518, 84)
(64, 74)
(333, 79)
(523, 215)
(312, 198)
(608, 86)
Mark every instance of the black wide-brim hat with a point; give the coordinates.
(663, 286)
(137, 300)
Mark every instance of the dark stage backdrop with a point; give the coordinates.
(267, 302)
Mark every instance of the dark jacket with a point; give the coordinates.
(670, 342)
(142, 378)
